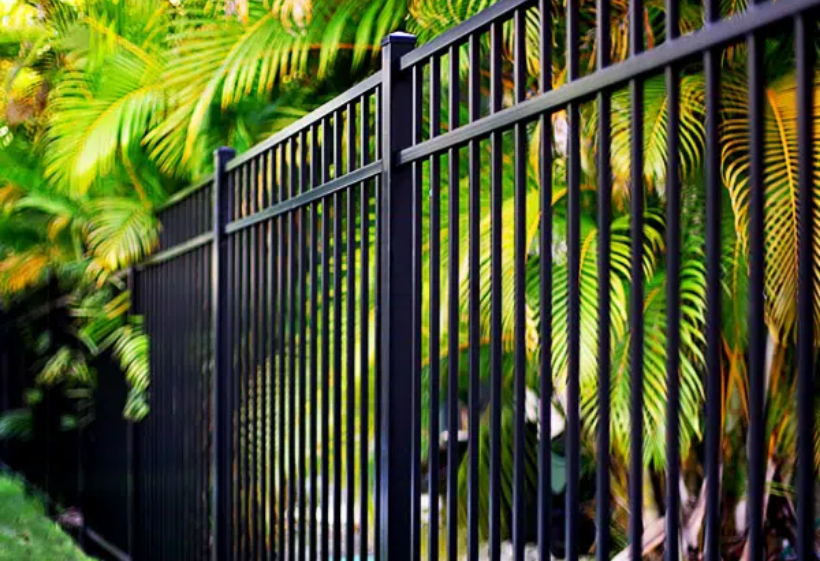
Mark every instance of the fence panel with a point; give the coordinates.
(300, 253)
(436, 317)
(105, 466)
(173, 445)
(543, 317)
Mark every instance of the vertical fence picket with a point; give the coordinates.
(350, 330)
(416, 481)
(602, 497)
(757, 456)
(315, 173)
(336, 237)
(131, 460)
(573, 497)
(282, 284)
(711, 70)
(474, 87)
(435, 300)
(325, 351)
(545, 501)
(453, 312)
(364, 333)
(673, 310)
(805, 54)
(496, 297)
(519, 288)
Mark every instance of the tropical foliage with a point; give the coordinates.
(111, 106)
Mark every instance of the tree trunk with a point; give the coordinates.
(770, 469)
(655, 533)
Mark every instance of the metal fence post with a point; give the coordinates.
(5, 382)
(130, 443)
(222, 371)
(397, 293)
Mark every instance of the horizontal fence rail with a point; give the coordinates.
(519, 295)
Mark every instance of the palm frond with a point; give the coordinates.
(692, 132)
(781, 208)
(120, 231)
(224, 63)
(94, 120)
(131, 347)
(17, 424)
(65, 364)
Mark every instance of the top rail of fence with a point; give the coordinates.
(501, 10)
(311, 118)
(183, 194)
(303, 199)
(676, 51)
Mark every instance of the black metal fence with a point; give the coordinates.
(74, 451)
(331, 364)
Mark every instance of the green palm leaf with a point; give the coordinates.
(95, 121)
(120, 231)
(655, 110)
(781, 208)
(220, 63)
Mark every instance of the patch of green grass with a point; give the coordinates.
(26, 532)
